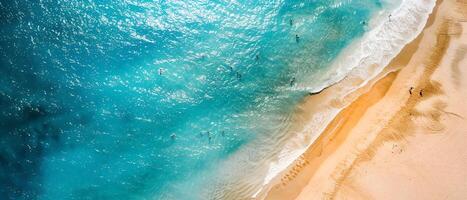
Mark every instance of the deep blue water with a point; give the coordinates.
(86, 114)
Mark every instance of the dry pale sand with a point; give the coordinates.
(389, 144)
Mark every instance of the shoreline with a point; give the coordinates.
(313, 114)
(325, 162)
(316, 111)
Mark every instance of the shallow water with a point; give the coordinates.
(91, 92)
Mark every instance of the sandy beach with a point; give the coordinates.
(403, 135)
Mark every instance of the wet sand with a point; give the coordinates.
(387, 143)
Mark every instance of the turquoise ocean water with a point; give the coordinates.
(133, 99)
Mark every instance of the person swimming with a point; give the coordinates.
(173, 136)
(160, 71)
(291, 22)
(239, 76)
(297, 38)
(292, 82)
(209, 136)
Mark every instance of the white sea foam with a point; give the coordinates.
(380, 45)
(364, 58)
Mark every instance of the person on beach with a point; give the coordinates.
(410, 90)
(421, 93)
(390, 15)
(297, 38)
